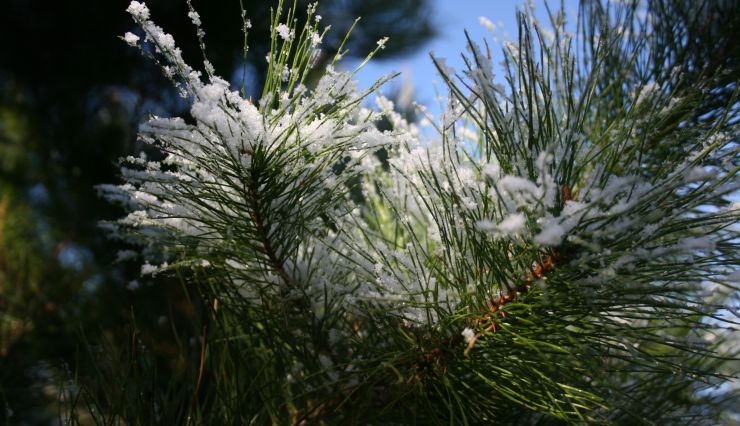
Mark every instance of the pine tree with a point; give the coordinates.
(564, 249)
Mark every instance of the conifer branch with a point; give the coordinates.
(561, 251)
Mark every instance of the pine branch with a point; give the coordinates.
(545, 257)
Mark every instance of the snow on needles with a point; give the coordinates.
(275, 178)
(210, 166)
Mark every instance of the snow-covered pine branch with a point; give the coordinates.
(536, 259)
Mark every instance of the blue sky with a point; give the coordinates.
(452, 18)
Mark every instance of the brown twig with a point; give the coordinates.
(538, 272)
(498, 302)
(267, 249)
(201, 364)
